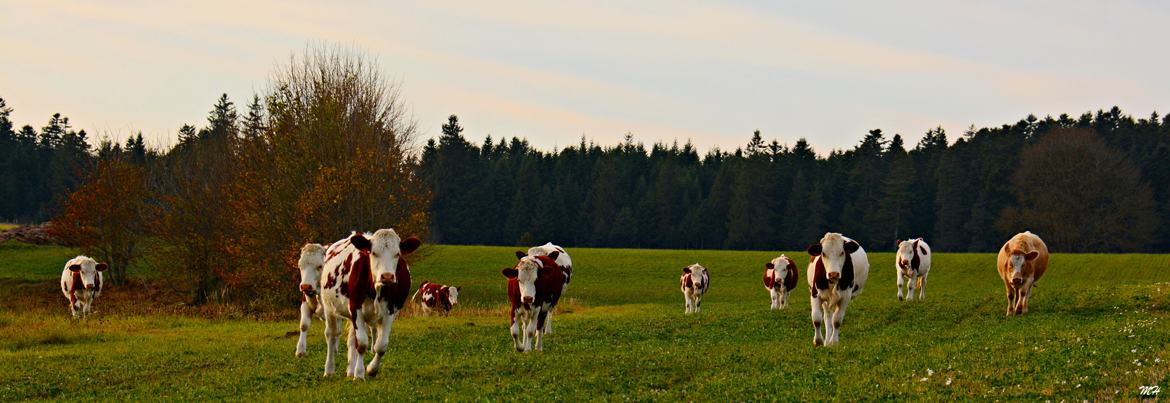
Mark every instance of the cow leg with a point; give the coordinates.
(901, 283)
(922, 287)
(775, 299)
(689, 307)
(817, 320)
(1011, 298)
(541, 322)
(1025, 295)
(332, 328)
(698, 302)
(529, 330)
(381, 345)
(516, 330)
(783, 298)
(306, 319)
(838, 318)
(548, 323)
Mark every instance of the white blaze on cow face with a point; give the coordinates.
(906, 255)
(1017, 261)
(698, 275)
(832, 249)
(310, 263)
(89, 271)
(453, 295)
(527, 270)
(385, 247)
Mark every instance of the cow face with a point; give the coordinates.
(780, 265)
(453, 295)
(1017, 261)
(698, 275)
(310, 263)
(386, 250)
(88, 268)
(833, 250)
(527, 270)
(905, 255)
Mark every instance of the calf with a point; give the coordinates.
(563, 260)
(534, 288)
(1022, 261)
(694, 283)
(365, 280)
(836, 275)
(436, 296)
(310, 263)
(912, 265)
(81, 282)
(780, 279)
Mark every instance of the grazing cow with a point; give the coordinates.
(310, 263)
(780, 279)
(365, 280)
(534, 287)
(563, 260)
(81, 282)
(836, 275)
(913, 264)
(694, 283)
(436, 296)
(1022, 261)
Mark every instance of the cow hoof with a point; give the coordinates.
(817, 343)
(300, 353)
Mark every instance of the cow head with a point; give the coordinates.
(526, 271)
(453, 295)
(833, 250)
(906, 254)
(1016, 261)
(779, 264)
(88, 269)
(385, 249)
(698, 275)
(312, 258)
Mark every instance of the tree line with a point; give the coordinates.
(1099, 182)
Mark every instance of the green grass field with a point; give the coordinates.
(1099, 328)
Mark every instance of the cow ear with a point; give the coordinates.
(769, 266)
(851, 247)
(554, 255)
(897, 243)
(1031, 255)
(359, 241)
(409, 245)
(510, 272)
(520, 255)
(74, 267)
(814, 249)
(102, 267)
(687, 270)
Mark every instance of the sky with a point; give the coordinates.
(552, 72)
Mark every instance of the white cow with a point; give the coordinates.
(310, 263)
(81, 282)
(913, 264)
(836, 275)
(694, 283)
(365, 280)
(566, 264)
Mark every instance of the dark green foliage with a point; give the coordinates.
(767, 195)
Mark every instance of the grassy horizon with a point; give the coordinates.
(1097, 330)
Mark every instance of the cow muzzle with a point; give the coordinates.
(526, 300)
(1017, 282)
(387, 278)
(89, 286)
(834, 276)
(307, 289)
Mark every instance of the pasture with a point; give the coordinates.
(1099, 328)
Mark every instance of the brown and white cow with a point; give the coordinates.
(436, 296)
(310, 263)
(1022, 261)
(912, 263)
(81, 282)
(780, 279)
(534, 288)
(365, 280)
(566, 264)
(694, 283)
(836, 275)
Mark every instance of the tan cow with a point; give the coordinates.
(1022, 261)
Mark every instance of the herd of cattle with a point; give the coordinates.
(364, 279)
